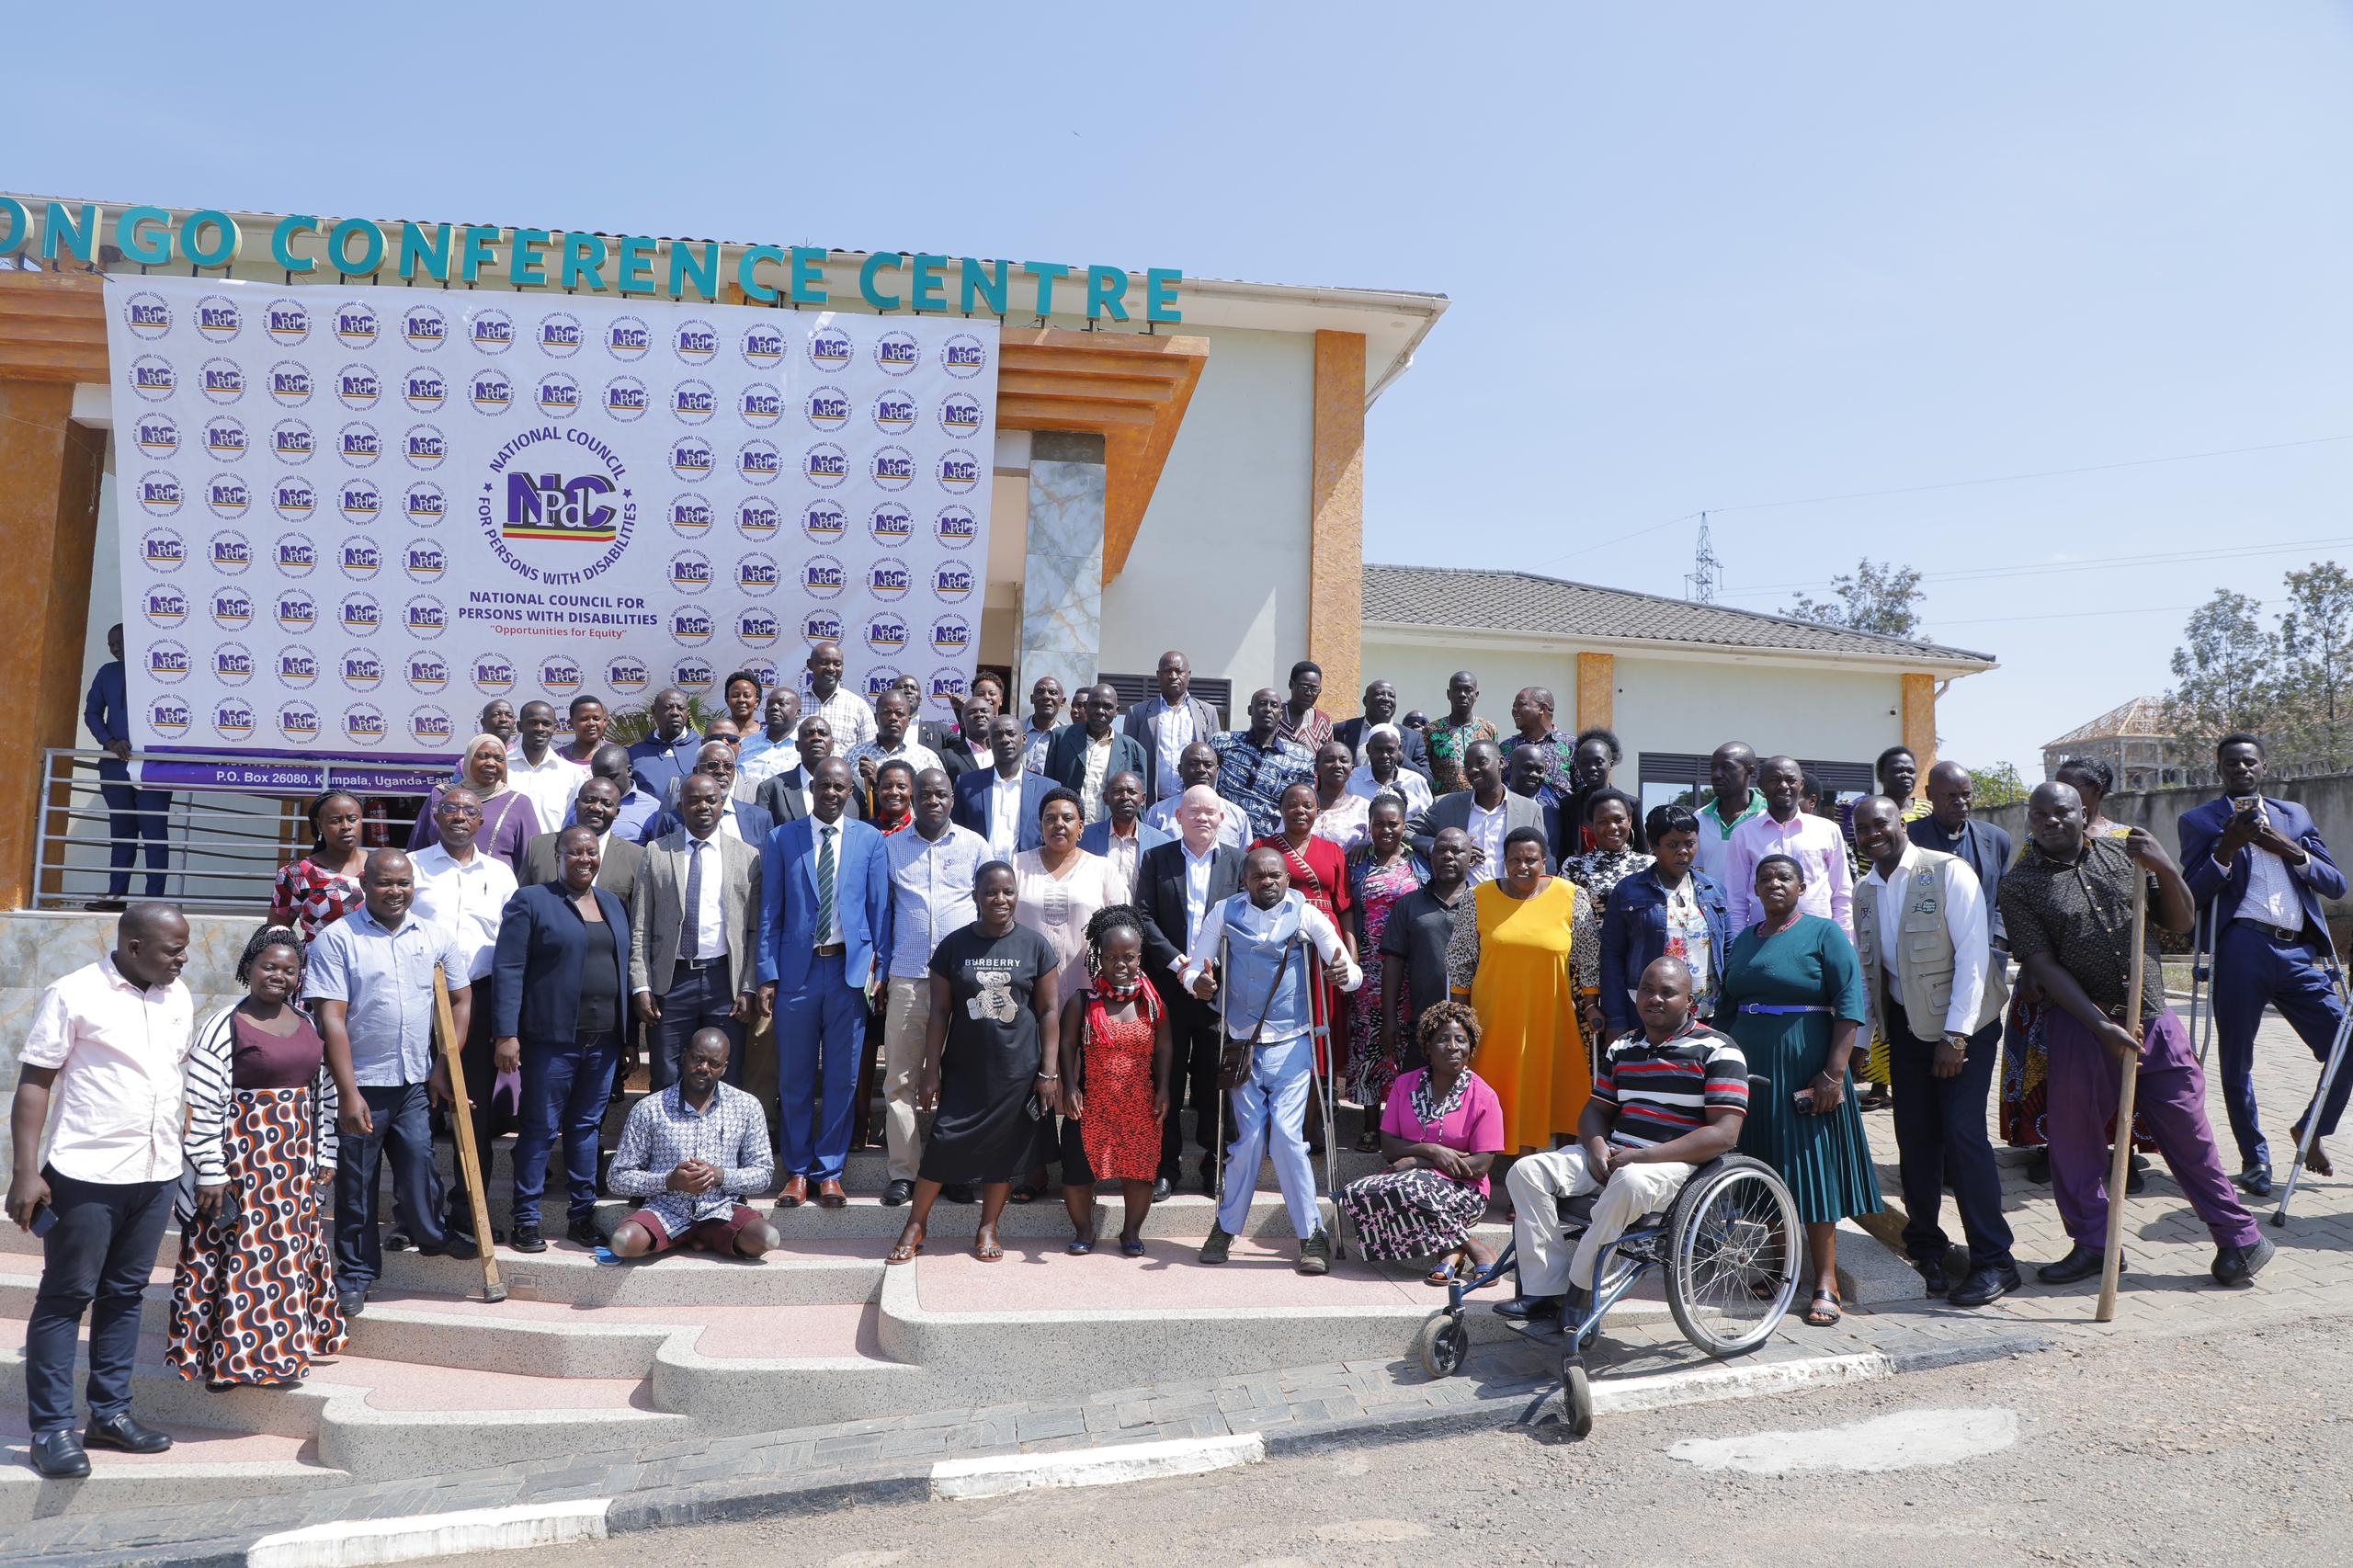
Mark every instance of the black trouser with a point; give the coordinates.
(1941, 1130)
(697, 998)
(96, 1258)
(1193, 1042)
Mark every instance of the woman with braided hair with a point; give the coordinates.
(1115, 1080)
(253, 1300)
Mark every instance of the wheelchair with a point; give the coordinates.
(1732, 1250)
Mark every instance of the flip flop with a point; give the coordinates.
(904, 1252)
(1816, 1317)
(1025, 1193)
(991, 1252)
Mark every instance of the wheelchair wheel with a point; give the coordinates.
(1577, 1400)
(1441, 1343)
(1733, 1248)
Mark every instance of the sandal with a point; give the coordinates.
(1819, 1316)
(988, 1251)
(1025, 1193)
(1368, 1142)
(904, 1252)
(1440, 1277)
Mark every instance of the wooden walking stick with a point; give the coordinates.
(461, 1132)
(2121, 1162)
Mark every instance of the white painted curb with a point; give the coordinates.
(1008, 1473)
(1744, 1382)
(359, 1541)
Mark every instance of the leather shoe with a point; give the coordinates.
(830, 1193)
(1530, 1308)
(584, 1231)
(120, 1431)
(528, 1239)
(59, 1455)
(795, 1193)
(1932, 1274)
(897, 1193)
(1986, 1285)
(1163, 1189)
(960, 1192)
(2081, 1263)
(2256, 1179)
(2239, 1265)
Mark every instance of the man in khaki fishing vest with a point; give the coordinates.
(1936, 995)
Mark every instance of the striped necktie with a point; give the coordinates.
(824, 886)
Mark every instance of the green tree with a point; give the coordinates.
(1998, 785)
(2226, 673)
(2316, 666)
(1872, 597)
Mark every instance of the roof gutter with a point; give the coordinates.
(1420, 631)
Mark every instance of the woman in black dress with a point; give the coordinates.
(990, 1056)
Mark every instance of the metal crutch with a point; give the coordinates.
(2327, 1080)
(1218, 1089)
(1320, 1046)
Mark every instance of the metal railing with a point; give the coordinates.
(228, 824)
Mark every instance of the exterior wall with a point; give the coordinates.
(1221, 567)
(1419, 669)
(1695, 705)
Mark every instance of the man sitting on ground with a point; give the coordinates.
(1638, 1139)
(694, 1152)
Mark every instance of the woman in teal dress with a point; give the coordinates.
(1793, 999)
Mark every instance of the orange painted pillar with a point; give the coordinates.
(1920, 726)
(1336, 513)
(1596, 691)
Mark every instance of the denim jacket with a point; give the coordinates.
(1634, 935)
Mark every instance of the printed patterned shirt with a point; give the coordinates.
(1448, 742)
(2080, 912)
(1253, 777)
(662, 1132)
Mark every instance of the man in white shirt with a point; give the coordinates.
(1815, 842)
(932, 866)
(1175, 886)
(890, 741)
(1167, 722)
(1936, 997)
(1197, 766)
(1000, 802)
(537, 771)
(108, 1045)
(464, 891)
(845, 712)
(1045, 719)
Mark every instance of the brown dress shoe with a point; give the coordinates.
(795, 1193)
(830, 1193)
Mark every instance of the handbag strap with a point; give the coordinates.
(1281, 968)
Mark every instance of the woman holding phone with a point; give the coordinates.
(1793, 999)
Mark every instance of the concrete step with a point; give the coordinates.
(202, 1468)
(384, 1419)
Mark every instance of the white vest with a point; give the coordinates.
(1926, 984)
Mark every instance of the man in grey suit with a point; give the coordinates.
(1487, 812)
(786, 796)
(597, 807)
(692, 928)
(1165, 724)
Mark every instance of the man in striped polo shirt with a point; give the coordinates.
(1665, 1103)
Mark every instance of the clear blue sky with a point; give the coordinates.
(1704, 256)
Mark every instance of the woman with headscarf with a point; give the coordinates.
(1383, 770)
(323, 886)
(253, 1299)
(509, 821)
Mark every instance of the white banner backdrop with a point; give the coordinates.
(351, 517)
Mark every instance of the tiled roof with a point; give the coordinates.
(1521, 601)
(2143, 716)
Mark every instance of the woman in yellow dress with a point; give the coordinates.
(1525, 952)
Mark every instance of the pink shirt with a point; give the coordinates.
(1820, 851)
(1475, 1127)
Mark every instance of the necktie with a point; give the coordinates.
(690, 933)
(824, 887)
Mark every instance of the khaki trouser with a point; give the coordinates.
(1539, 1183)
(906, 1014)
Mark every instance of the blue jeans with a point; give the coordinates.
(403, 1129)
(2250, 969)
(97, 1258)
(697, 999)
(134, 815)
(820, 1031)
(565, 1088)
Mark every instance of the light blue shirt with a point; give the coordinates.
(931, 892)
(386, 978)
(1235, 829)
(759, 759)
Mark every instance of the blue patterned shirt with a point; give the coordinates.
(1254, 778)
(663, 1133)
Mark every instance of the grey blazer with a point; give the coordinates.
(786, 797)
(616, 875)
(659, 909)
(1137, 726)
(1454, 810)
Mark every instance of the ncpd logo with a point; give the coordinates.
(294, 496)
(167, 661)
(824, 577)
(169, 717)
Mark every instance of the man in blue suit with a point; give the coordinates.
(2259, 866)
(1000, 802)
(1092, 748)
(824, 920)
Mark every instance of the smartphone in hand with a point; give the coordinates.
(44, 1220)
(1803, 1098)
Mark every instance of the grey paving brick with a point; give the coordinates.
(1051, 1423)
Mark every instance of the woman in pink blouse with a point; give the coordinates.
(1440, 1133)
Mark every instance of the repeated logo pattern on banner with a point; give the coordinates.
(351, 517)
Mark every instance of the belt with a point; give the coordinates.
(832, 949)
(2280, 934)
(1776, 1010)
(718, 962)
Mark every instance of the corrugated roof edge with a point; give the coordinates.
(1894, 644)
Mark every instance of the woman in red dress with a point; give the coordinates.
(323, 886)
(1319, 872)
(1115, 1080)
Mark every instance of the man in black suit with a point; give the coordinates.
(786, 797)
(1380, 708)
(1091, 745)
(1176, 886)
